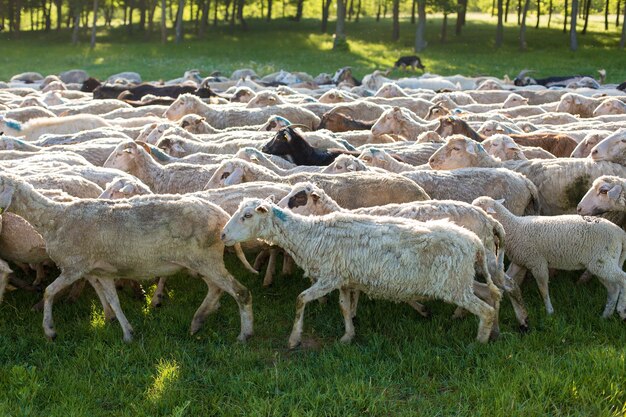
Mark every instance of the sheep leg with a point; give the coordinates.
(317, 290)
(66, 278)
(354, 301)
(210, 303)
(614, 279)
(271, 266)
(107, 286)
(109, 314)
(585, 278)
(216, 273)
(485, 313)
(345, 303)
(287, 264)
(75, 291)
(542, 277)
(260, 259)
(4, 280)
(40, 274)
(518, 273)
(612, 296)
(420, 308)
(159, 293)
(483, 292)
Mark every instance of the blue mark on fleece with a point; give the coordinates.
(12, 124)
(481, 148)
(160, 155)
(282, 119)
(280, 215)
(347, 145)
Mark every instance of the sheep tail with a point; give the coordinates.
(242, 258)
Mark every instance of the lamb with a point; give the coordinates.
(611, 149)
(351, 190)
(34, 128)
(177, 178)
(320, 245)
(567, 242)
(561, 182)
(308, 199)
(137, 238)
(505, 148)
(222, 118)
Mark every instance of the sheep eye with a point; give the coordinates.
(456, 149)
(247, 216)
(225, 175)
(603, 191)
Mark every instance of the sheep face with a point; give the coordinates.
(229, 173)
(489, 85)
(429, 137)
(390, 90)
(436, 111)
(243, 95)
(343, 164)
(123, 188)
(303, 199)
(391, 121)
(246, 222)
(332, 96)
(184, 104)
(274, 124)
(123, 157)
(488, 204)
(265, 99)
(503, 147)
(156, 133)
(446, 126)
(610, 106)
(490, 128)
(611, 149)
(606, 194)
(374, 157)
(173, 147)
(584, 147)
(192, 123)
(459, 152)
(514, 100)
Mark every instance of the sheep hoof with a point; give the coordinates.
(524, 328)
(51, 335)
(346, 339)
(243, 338)
(38, 308)
(195, 326)
(267, 284)
(293, 344)
(156, 304)
(495, 333)
(128, 339)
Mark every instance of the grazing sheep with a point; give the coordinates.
(536, 243)
(320, 245)
(137, 239)
(308, 199)
(350, 190)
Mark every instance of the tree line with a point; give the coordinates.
(152, 15)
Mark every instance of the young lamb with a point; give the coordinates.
(308, 199)
(561, 182)
(566, 242)
(436, 259)
(137, 239)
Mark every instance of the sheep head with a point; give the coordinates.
(606, 194)
(304, 199)
(458, 152)
(248, 221)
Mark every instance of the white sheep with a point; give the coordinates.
(396, 259)
(505, 148)
(584, 147)
(566, 242)
(610, 106)
(34, 128)
(611, 149)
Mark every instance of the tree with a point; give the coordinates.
(622, 40)
(179, 21)
(94, 26)
(395, 32)
(460, 16)
(587, 9)
(573, 42)
(163, 19)
(325, 11)
(420, 41)
(340, 29)
(500, 26)
(522, 30)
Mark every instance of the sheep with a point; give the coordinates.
(578, 104)
(605, 195)
(96, 151)
(390, 90)
(560, 182)
(584, 147)
(320, 246)
(345, 163)
(34, 128)
(380, 158)
(566, 242)
(339, 122)
(399, 121)
(308, 199)
(351, 190)
(267, 160)
(23, 115)
(505, 148)
(222, 118)
(175, 178)
(610, 106)
(137, 238)
(265, 99)
(611, 149)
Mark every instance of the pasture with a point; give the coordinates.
(570, 364)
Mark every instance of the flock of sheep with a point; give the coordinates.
(406, 190)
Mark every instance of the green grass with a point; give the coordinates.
(284, 44)
(399, 364)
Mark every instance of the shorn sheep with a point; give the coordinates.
(566, 242)
(397, 259)
(138, 239)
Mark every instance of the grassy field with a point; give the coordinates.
(400, 364)
(284, 44)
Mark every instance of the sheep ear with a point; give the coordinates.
(614, 192)
(236, 177)
(128, 188)
(470, 148)
(510, 145)
(254, 158)
(315, 196)
(176, 147)
(128, 150)
(350, 167)
(145, 146)
(577, 100)
(271, 198)
(490, 210)
(501, 201)
(261, 209)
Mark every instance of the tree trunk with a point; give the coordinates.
(522, 30)
(76, 24)
(519, 12)
(215, 13)
(565, 20)
(378, 10)
(493, 8)
(299, 8)
(622, 40)
(59, 5)
(549, 14)
(47, 7)
(587, 9)
(233, 15)
(617, 14)
(240, 5)
(204, 21)
(131, 8)
(538, 13)
(385, 9)
(606, 15)
(358, 11)
(153, 5)
(269, 12)
(340, 28)
(350, 10)
(179, 21)
(420, 30)
(500, 26)
(413, 7)
(163, 19)
(460, 16)
(143, 10)
(444, 28)
(395, 31)
(573, 42)
(94, 26)
(325, 12)
(506, 11)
